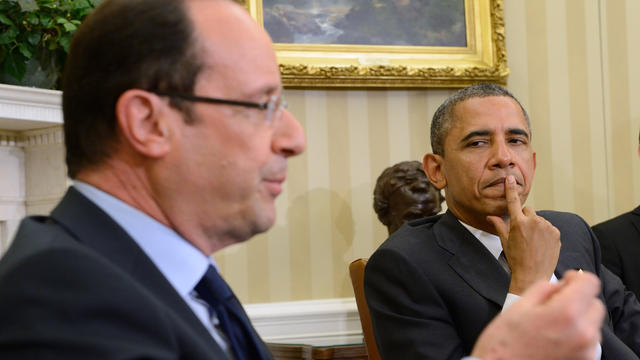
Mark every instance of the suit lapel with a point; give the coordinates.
(471, 260)
(635, 219)
(95, 229)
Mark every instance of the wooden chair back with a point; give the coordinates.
(356, 271)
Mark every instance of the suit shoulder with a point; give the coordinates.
(68, 299)
(41, 242)
(617, 223)
(560, 216)
(37, 234)
(413, 238)
(52, 262)
(572, 227)
(565, 221)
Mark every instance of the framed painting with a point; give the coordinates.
(385, 43)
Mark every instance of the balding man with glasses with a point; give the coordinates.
(177, 140)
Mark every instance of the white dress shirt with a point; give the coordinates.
(180, 262)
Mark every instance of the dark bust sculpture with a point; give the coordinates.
(403, 193)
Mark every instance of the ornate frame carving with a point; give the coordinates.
(365, 66)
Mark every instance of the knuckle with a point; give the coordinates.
(570, 316)
(585, 337)
(519, 222)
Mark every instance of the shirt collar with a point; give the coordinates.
(490, 241)
(181, 263)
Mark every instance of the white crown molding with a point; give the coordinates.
(10, 138)
(312, 322)
(23, 108)
(53, 135)
(48, 136)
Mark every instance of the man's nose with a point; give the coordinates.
(288, 138)
(501, 156)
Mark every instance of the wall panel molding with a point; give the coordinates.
(313, 322)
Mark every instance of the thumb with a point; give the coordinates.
(501, 228)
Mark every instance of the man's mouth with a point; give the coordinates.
(500, 181)
(275, 185)
(496, 182)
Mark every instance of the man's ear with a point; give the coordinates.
(432, 165)
(143, 122)
(536, 164)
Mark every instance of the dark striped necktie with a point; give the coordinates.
(502, 259)
(244, 341)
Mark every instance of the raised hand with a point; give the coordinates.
(531, 244)
(549, 322)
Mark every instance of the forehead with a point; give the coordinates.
(235, 51)
(493, 113)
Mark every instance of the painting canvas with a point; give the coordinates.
(385, 43)
(366, 22)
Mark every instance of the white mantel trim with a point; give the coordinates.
(313, 322)
(23, 108)
(53, 135)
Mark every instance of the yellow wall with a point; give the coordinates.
(572, 66)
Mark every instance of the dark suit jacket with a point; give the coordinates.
(620, 243)
(432, 287)
(75, 286)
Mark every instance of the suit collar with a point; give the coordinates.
(472, 261)
(89, 225)
(182, 264)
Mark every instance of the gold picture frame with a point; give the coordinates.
(374, 66)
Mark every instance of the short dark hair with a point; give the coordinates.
(123, 44)
(443, 117)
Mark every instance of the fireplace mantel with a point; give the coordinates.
(24, 108)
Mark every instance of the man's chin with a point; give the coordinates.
(265, 219)
(498, 208)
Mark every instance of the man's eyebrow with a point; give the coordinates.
(265, 90)
(475, 133)
(518, 131)
(510, 131)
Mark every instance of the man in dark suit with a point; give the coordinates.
(435, 283)
(177, 141)
(620, 244)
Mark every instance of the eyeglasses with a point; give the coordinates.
(273, 107)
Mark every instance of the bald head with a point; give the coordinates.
(229, 41)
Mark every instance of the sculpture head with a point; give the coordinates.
(403, 193)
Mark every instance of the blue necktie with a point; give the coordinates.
(234, 322)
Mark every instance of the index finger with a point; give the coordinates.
(513, 199)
